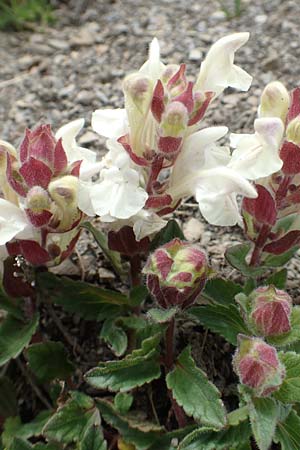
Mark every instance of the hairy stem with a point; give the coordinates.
(259, 244)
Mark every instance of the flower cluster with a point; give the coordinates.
(39, 213)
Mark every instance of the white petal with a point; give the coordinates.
(84, 200)
(13, 222)
(147, 223)
(68, 133)
(216, 191)
(110, 123)
(257, 155)
(218, 71)
(153, 67)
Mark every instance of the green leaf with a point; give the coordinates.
(14, 336)
(288, 432)
(19, 444)
(49, 360)
(263, 413)
(236, 256)
(222, 291)
(224, 320)
(292, 336)
(93, 439)
(114, 336)
(289, 391)
(169, 232)
(280, 260)
(238, 415)
(136, 369)
(159, 315)
(278, 279)
(8, 399)
(71, 420)
(134, 433)
(191, 389)
(13, 427)
(123, 402)
(11, 305)
(50, 446)
(138, 295)
(88, 301)
(112, 256)
(206, 438)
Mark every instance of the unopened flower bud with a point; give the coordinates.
(293, 131)
(38, 199)
(275, 101)
(138, 90)
(38, 144)
(64, 192)
(270, 311)
(176, 273)
(258, 366)
(174, 120)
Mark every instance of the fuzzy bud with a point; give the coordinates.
(270, 311)
(176, 273)
(37, 199)
(138, 90)
(64, 192)
(258, 366)
(174, 120)
(275, 101)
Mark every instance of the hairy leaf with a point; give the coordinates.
(278, 279)
(222, 291)
(236, 256)
(289, 391)
(288, 432)
(138, 368)
(14, 336)
(114, 336)
(169, 232)
(123, 402)
(263, 413)
(93, 439)
(191, 389)
(224, 320)
(159, 315)
(292, 336)
(49, 360)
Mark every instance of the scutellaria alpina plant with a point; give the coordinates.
(153, 389)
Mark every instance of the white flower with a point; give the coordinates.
(257, 155)
(153, 67)
(118, 193)
(13, 223)
(201, 170)
(218, 71)
(110, 123)
(73, 151)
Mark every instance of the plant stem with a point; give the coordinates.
(169, 361)
(259, 244)
(135, 270)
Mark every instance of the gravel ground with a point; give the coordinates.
(65, 72)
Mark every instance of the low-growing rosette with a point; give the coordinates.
(176, 273)
(258, 366)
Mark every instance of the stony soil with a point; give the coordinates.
(65, 72)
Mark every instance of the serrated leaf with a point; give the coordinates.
(292, 336)
(13, 427)
(112, 256)
(71, 420)
(169, 232)
(236, 256)
(14, 336)
(288, 432)
(93, 439)
(238, 415)
(138, 368)
(263, 413)
(278, 279)
(114, 336)
(191, 389)
(222, 291)
(289, 391)
(206, 438)
(87, 300)
(224, 320)
(49, 360)
(123, 402)
(8, 399)
(141, 439)
(159, 315)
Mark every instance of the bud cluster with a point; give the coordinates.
(176, 273)
(279, 193)
(45, 186)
